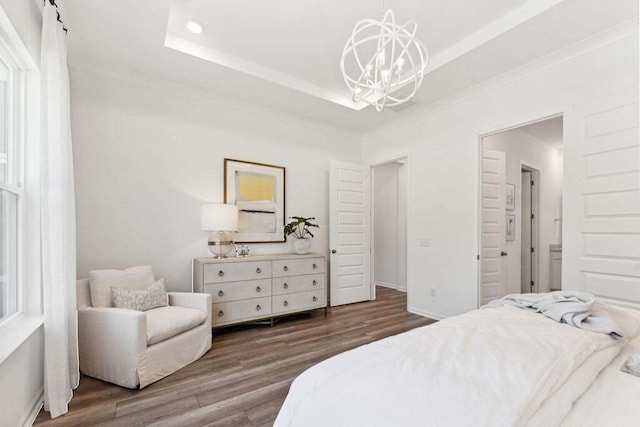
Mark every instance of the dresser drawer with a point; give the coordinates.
(288, 285)
(298, 301)
(237, 311)
(236, 271)
(295, 267)
(232, 291)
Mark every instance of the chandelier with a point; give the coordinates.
(383, 63)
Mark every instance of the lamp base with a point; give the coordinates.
(220, 243)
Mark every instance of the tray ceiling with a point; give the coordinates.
(284, 54)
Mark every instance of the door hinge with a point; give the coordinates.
(478, 257)
(533, 250)
(532, 284)
(532, 182)
(533, 216)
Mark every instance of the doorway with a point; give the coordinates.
(389, 225)
(520, 209)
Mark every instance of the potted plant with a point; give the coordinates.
(300, 227)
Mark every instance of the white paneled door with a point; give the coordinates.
(350, 233)
(601, 221)
(492, 254)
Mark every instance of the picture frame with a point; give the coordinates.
(510, 224)
(258, 189)
(242, 251)
(510, 197)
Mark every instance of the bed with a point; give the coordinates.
(496, 367)
(613, 399)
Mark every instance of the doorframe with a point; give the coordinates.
(488, 131)
(535, 234)
(372, 165)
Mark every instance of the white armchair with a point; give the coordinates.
(135, 348)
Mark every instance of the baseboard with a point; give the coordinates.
(423, 313)
(36, 405)
(390, 285)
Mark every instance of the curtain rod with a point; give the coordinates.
(53, 3)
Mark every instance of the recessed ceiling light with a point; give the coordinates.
(194, 27)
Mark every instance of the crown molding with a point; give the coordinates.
(484, 35)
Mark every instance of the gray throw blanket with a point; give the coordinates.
(571, 307)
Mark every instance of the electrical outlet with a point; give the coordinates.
(424, 242)
(433, 292)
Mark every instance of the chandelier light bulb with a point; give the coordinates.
(368, 77)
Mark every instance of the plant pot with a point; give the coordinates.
(302, 246)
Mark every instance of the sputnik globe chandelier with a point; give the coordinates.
(383, 63)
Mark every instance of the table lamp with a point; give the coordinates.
(221, 220)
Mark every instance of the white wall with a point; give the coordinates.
(22, 382)
(443, 143)
(520, 146)
(146, 157)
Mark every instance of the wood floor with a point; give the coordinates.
(244, 378)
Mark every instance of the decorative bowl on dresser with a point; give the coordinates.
(261, 287)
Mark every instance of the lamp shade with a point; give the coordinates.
(219, 217)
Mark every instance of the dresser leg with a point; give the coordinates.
(272, 322)
(325, 311)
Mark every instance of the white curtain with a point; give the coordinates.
(58, 233)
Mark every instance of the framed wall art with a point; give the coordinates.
(510, 234)
(258, 190)
(510, 197)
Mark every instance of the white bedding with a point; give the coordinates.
(613, 399)
(485, 368)
(556, 407)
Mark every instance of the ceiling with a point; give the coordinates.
(284, 54)
(549, 131)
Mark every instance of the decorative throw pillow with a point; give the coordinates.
(632, 365)
(144, 299)
(101, 282)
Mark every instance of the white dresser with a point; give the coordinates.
(261, 287)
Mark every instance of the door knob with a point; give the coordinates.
(333, 251)
(503, 253)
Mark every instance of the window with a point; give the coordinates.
(11, 188)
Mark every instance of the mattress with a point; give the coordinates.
(497, 367)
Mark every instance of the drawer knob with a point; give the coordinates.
(220, 273)
(286, 268)
(258, 307)
(315, 283)
(315, 266)
(258, 270)
(220, 313)
(286, 303)
(286, 286)
(258, 289)
(220, 293)
(315, 298)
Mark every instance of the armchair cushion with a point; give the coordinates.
(153, 296)
(101, 282)
(166, 322)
